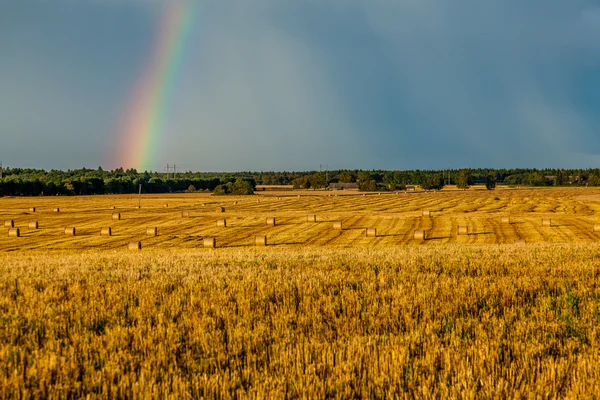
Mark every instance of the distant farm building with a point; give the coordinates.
(343, 186)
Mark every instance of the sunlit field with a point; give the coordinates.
(573, 213)
(317, 312)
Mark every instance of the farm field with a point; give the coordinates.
(573, 213)
(318, 313)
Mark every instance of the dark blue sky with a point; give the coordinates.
(289, 85)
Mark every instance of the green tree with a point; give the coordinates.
(220, 190)
(242, 187)
(367, 186)
(463, 180)
(593, 180)
(490, 181)
(347, 177)
(318, 180)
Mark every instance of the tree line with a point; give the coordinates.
(35, 182)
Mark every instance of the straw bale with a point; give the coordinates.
(222, 223)
(70, 231)
(371, 232)
(134, 245)
(9, 223)
(463, 230)
(33, 225)
(14, 232)
(210, 242)
(419, 235)
(152, 231)
(106, 231)
(260, 240)
(311, 218)
(271, 221)
(337, 225)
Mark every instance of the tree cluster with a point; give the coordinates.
(32, 182)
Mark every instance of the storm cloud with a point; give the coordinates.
(289, 85)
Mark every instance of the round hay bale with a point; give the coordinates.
(106, 231)
(337, 225)
(70, 231)
(56, 210)
(221, 223)
(113, 207)
(152, 231)
(596, 227)
(371, 232)
(258, 200)
(220, 209)
(311, 218)
(298, 196)
(165, 205)
(14, 232)
(210, 242)
(235, 203)
(185, 214)
(426, 213)
(271, 221)
(260, 240)
(134, 245)
(419, 235)
(116, 216)
(31, 209)
(203, 204)
(506, 219)
(520, 241)
(33, 225)
(463, 230)
(9, 223)
(546, 222)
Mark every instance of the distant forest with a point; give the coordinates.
(35, 182)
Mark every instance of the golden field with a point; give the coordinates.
(318, 313)
(395, 216)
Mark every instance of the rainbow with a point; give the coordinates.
(142, 129)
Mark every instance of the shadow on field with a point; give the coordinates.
(439, 237)
(480, 233)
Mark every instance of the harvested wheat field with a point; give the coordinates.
(317, 312)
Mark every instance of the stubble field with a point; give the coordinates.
(318, 312)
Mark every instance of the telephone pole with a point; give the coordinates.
(0, 170)
(167, 169)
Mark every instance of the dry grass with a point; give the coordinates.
(441, 322)
(395, 217)
(318, 313)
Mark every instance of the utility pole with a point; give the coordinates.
(167, 168)
(321, 166)
(174, 171)
(0, 170)
(140, 197)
